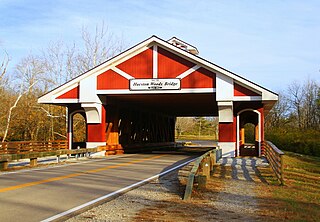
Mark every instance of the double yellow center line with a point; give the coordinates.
(77, 174)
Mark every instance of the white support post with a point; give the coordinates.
(155, 62)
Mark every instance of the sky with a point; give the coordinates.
(272, 43)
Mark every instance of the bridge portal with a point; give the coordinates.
(134, 98)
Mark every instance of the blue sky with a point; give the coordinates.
(269, 42)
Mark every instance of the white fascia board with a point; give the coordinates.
(266, 95)
(126, 91)
(64, 101)
(247, 98)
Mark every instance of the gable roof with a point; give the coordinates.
(266, 94)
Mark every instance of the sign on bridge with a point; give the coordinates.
(154, 84)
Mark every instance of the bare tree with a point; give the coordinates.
(295, 92)
(11, 109)
(3, 68)
(278, 116)
(311, 89)
(184, 124)
(98, 47)
(20, 115)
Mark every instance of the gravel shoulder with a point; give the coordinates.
(231, 195)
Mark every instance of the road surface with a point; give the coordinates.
(55, 192)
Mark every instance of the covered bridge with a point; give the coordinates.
(133, 99)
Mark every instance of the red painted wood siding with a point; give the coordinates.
(200, 78)
(71, 94)
(171, 65)
(139, 66)
(242, 91)
(96, 131)
(227, 131)
(111, 80)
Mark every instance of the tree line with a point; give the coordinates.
(294, 122)
(21, 117)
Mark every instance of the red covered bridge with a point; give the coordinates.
(133, 99)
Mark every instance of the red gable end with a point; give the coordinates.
(242, 91)
(72, 94)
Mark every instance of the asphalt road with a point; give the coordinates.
(54, 192)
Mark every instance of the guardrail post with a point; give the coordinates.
(33, 162)
(202, 182)
(4, 165)
(205, 166)
(58, 158)
(189, 187)
(211, 156)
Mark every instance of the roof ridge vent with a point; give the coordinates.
(183, 45)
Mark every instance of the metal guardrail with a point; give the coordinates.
(201, 170)
(275, 158)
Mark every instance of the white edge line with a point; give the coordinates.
(55, 217)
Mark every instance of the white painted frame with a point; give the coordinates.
(238, 129)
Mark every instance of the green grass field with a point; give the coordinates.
(299, 198)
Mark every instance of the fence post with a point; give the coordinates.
(78, 154)
(33, 162)
(4, 165)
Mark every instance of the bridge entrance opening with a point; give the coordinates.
(249, 133)
(133, 99)
(79, 130)
(197, 128)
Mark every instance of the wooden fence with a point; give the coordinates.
(275, 158)
(23, 147)
(33, 156)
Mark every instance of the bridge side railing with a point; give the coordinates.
(275, 157)
(23, 147)
(22, 151)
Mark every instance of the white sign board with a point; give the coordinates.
(154, 84)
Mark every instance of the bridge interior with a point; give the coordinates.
(197, 104)
(138, 119)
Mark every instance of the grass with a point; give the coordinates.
(195, 137)
(299, 198)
